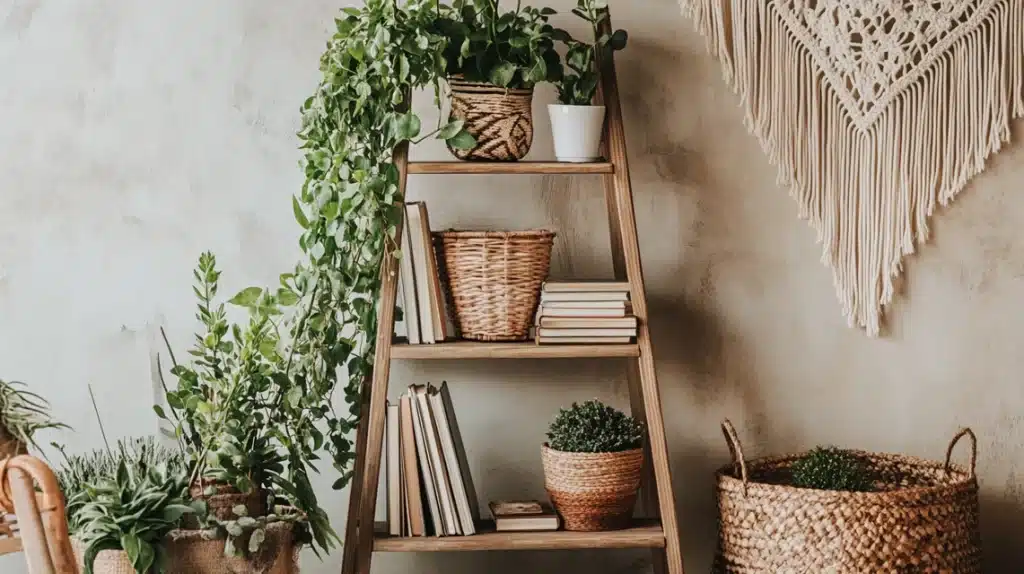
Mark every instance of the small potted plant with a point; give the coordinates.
(22, 414)
(592, 465)
(831, 468)
(494, 61)
(576, 124)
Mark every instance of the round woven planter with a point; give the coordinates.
(921, 518)
(107, 561)
(501, 120)
(593, 491)
(494, 280)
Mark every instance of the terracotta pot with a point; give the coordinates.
(593, 491)
(501, 120)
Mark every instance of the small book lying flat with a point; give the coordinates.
(584, 296)
(542, 340)
(589, 286)
(523, 516)
(548, 332)
(588, 322)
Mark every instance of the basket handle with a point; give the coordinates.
(737, 452)
(974, 449)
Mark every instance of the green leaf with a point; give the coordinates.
(619, 39)
(130, 544)
(159, 410)
(256, 540)
(451, 130)
(463, 140)
(407, 126)
(247, 297)
(502, 74)
(300, 216)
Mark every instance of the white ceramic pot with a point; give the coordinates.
(577, 131)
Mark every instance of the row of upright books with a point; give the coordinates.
(585, 312)
(423, 302)
(430, 488)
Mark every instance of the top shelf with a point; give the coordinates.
(516, 167)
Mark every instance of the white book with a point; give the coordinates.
(421, 273)
(588, 322)
(451, 458)
(547, 311)
(446, 502)
(553, 332)
(584, 340)
(394, 478)
(590, 286)
(617, 305)
(581, 296)
(438, 308)
(408, 281)
(426, 473)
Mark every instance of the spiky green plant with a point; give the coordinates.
(594, 427)
(23, 414)
(831, 468)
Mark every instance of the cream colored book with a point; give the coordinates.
(612, 312)
(437, 310)
(442, 482)
(407, 274)
(524, 517)
(588, 323)
(581, 296)
(545, 332)
(620, 305)
(426, 472)
(421, 273)
(584, 340)
(451, 459)
(585, 286)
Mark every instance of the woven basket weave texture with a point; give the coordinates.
(593, 491)
(922, 517)
(501, 120)
(494, 280)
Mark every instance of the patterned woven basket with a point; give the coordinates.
(593, 491)
(922, 517)
(494, 280)
(501, 120)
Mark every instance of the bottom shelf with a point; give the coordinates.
(642, 534)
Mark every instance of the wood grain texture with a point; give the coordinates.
(348, 560)
(498, 168)
(626, 256)
(370, 469)
(644, 534)
(526, 350)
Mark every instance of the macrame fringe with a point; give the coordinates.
(869, 192)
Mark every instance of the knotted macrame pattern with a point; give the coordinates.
(874, 111)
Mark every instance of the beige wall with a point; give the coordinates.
(133, 135)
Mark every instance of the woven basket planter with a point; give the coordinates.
(921, 518)
(494, 280)
(501, 120)
(189, 553)
(226, 498)
(593, 491)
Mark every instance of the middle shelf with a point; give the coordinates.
(526, 350)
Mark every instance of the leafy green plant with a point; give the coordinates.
(594, 427)
(578, 86)
(831, 468)
(512, 49)
(23, 414)
(127, 499)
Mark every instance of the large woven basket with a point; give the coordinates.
(501, 120)
(593, 491)
(921, 518)
(494, 280)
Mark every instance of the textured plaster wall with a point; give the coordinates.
(134, 135)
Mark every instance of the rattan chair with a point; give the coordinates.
(38, 526)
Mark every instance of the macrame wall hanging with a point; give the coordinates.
(874, 111)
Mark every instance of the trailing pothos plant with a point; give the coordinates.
(578, 86)
(511, 49)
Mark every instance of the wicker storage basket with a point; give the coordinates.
(922, 518)
(494, 280)
(501, 120)
(593, 491)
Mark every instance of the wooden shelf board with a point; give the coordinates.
(643, 534)
(519, 167)
(526, 350)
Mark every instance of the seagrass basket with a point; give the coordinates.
(921, 518)
(593, 491)
(501, 120)
(494, 280)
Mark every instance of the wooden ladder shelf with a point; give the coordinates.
(661, 533)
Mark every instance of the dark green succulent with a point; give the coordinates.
(831, 468)
(594, 427)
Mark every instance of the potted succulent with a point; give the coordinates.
(831, 468)
(576, 124)
(22, 414)
(494, 60)
(592, 465)
(122, 503)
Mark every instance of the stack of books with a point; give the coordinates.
(586, 312)
(526, 516)
(423, 304)
(429, 485)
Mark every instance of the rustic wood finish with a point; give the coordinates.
(660, 532)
